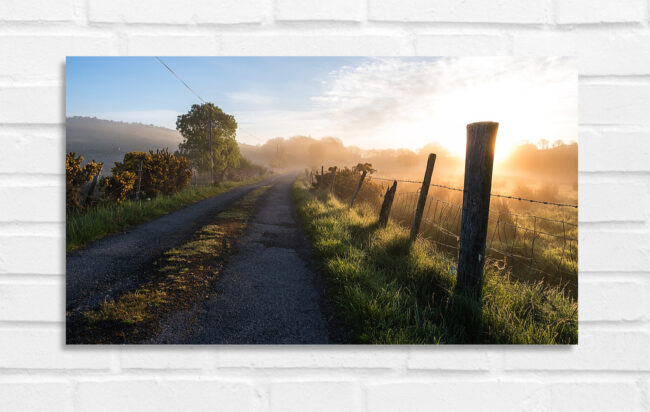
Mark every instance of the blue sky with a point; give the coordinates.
(368, 102)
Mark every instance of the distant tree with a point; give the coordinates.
(558, 143)
(543, 143)
(194, 126)
(363, 167)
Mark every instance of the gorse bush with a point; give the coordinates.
(162, 173)
(76, 176)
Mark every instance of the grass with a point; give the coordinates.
(85, 227)
(387, 291)
(181, 277)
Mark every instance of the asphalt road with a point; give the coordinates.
(268, 293)
(112, 263)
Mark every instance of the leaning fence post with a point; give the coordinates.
(479, 160)
(387, 204)
(333, 177)
(356, 191)
(137, 193)
(93, 184)
(424, 192)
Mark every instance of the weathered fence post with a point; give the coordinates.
(424, 192)
(92, 186)
(479, 160)
(322, 171)
(356, 191)
(333, 177)
(387, 204)
(311, 180)
(137, 192)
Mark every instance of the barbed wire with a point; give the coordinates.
(512, 197)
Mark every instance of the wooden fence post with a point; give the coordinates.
(479, 160)
(137, 192)
(93, 185)
(333, 177)
(424, 192)
(387, 204)
(356, 191)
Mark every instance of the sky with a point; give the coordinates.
(372, 103)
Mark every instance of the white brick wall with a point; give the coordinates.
(608, 370)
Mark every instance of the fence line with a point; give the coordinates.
(512, 197)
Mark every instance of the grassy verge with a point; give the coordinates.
(388, 292)
(89, 226)
(181, 277)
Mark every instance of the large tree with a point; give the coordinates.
(195, 126)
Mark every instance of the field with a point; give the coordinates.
(387, 291)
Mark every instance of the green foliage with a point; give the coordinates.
(162, 173)
(195, 126)
(76, 176)
(388, 291)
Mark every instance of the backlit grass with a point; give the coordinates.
(386, 291)
(93, 224)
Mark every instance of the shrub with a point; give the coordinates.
(345, 183)
(76, 176)
(162, 173)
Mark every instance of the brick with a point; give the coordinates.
(32, 302)
(314, 45)
(26, 204)
(166, 357)
(173, 12)
(37, 57)
(45, 349)
(612, 301)
(613, 251)
(36, 396)
(36, 10)
(471, 11)
(33, 104)
(339, 10)
(599, 11)
(164, 45)
(41, 255)
(599, 53)
(595, 396)
(614, 104)
(39, 142)
(598, 350)
(165, 395)
(315, 396)
(460, 45)
(610, 151)
(455, 395)
(611, 202)
(450, 358)
(307, 357)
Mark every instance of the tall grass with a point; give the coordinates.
(93, 224)
(387, 291)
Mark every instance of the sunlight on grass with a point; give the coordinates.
(387, 291)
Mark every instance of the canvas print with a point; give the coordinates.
(321, 200)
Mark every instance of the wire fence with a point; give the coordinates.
(533, 246)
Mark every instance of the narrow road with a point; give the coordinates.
(268, 292)
(111, 264)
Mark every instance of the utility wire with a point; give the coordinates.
(195, 93)
(181, 80)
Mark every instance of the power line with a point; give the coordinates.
(180, 80)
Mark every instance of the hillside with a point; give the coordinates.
(107, 141)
